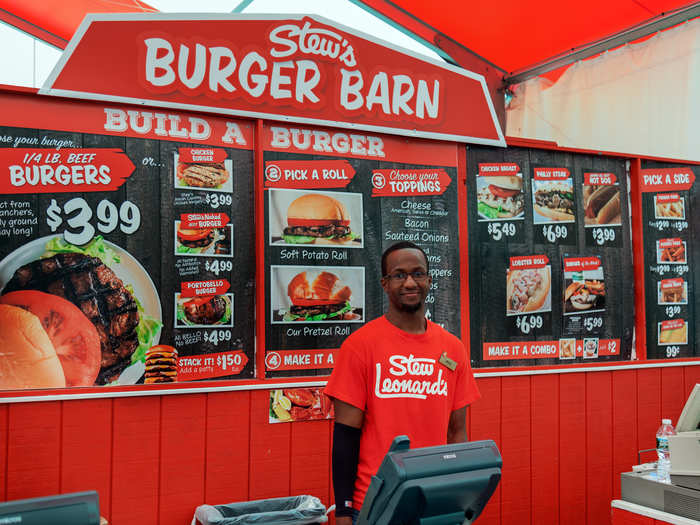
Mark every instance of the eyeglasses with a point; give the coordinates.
(399, 277)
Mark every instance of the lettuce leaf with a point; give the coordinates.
(488, 211)
(298, 239)
(95, 248)
(288, 316)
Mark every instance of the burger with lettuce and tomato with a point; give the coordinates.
(501, 197)
(316, 218)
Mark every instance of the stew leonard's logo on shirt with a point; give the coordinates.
(410, 376)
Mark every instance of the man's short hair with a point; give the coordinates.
(402, 245)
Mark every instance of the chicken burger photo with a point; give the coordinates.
(500, 197)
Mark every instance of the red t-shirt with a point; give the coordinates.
(396, 378)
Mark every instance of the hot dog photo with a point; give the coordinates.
(315, 218)
(601, 205)
(319, 294)
(528, 290)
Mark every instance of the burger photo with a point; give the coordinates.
(500, 197)
(554, 201)
(213, 176)
(208, 310)
(583, 295)
(316, 295)
(315, 218)
(601, 204)
(97, 327)
(202, 241)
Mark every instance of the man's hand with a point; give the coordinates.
(457, 427)
(343, 520)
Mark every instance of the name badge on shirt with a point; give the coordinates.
(446, 361)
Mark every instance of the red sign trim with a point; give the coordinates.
(489, 133)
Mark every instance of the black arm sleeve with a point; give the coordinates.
(346, 451)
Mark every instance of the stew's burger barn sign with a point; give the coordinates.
(281, 67)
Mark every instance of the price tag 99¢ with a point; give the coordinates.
(672, 351)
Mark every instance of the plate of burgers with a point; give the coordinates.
(500, 197)
(96, 303)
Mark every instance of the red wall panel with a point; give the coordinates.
(564, 439)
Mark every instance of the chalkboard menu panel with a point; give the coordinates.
(671, 253)
(328, 217)
(128, 240)
(550, 266)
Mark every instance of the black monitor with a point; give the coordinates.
(443, 485)
(78, 508)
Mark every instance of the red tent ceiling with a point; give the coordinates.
(511, 34)
(515, 35)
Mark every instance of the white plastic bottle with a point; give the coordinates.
(663, 466)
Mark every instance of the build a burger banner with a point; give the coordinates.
(671, 246)
(333, 202)
(549, 253)
(126, 255)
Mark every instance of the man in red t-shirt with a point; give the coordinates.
(399, 374)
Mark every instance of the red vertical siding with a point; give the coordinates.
(485, 423)
(227, 449)
(599, 446)
(572, 448)
(545, 449)
(564, 439)
(624, 424)
(86, 456)
(33, 458)
(135, 461)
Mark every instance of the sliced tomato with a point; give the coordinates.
(314, 302)
(199, 301)
(503, 193)
(73, 336)
(193, 235)
(316, 222)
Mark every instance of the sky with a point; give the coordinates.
(31, 60)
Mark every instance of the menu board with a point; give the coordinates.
(671, 253)
(332, 203)
(126, 255)
(549, 258)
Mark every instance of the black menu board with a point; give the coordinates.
(129, 240)
(671, 251)
(549, 258)
(332, 203)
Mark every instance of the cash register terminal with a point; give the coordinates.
(442, 485)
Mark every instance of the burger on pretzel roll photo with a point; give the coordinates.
(601, 204)
(527, 290)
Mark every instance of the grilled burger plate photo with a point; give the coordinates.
(209, 176)
(208, 310)
(109, 287)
